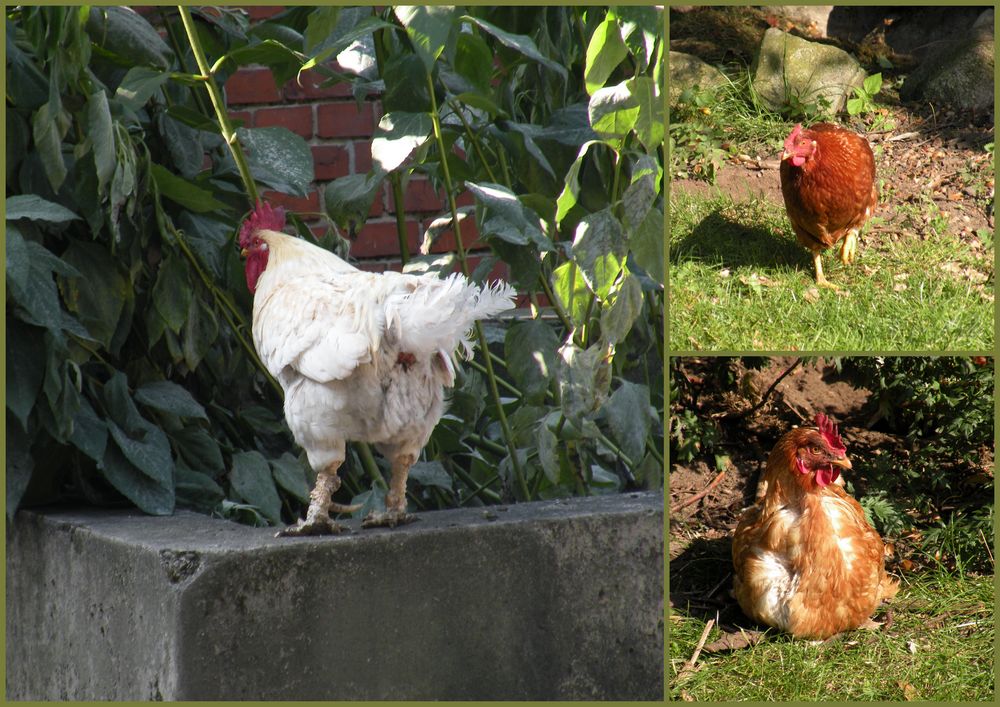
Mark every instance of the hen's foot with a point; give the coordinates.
(389, 519)
(823, 282)
(849, 248)
(318, 526)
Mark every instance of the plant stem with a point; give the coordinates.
(368, 462)
(397, 195)
(483, 345)
(225, 127)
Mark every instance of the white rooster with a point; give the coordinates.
(360, 356)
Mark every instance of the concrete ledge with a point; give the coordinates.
(551, 600)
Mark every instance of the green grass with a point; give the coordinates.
(739, 280)
(939, 647)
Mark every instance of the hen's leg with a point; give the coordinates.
(821, 280)
(317, 520)
(849, 247)
(395, 501)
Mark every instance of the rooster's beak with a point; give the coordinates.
(843, 463)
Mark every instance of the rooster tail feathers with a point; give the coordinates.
(437, 315)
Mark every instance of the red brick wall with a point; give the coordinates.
(339, 132)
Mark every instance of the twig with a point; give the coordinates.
(719, 585)
(767, 393)
(689, 666)
(700, 495)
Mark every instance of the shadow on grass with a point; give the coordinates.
(701, 581)
(720, 240)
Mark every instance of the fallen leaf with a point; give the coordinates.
(909, 692)
(912, 647)
(811, 295)
(899, 287)
(734, 641)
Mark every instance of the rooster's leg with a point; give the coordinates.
(849, 247)
(821, 280)
(317, 520)
(395, 501)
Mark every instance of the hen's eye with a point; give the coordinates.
(814, 450)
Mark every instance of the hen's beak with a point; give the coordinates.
(243, 252)
(785, 154)
(843, 463)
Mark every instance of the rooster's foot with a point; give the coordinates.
(389, 519)
(317, 526)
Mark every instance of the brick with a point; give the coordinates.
(298, 119)
(380, 265)
(263, 12)
(250, 86)
(309, 90)
(330, 162)
(419, 197)
(379, 239)
(362, 156)
(338, 120)
(470, 238)
(500, 270)
(310, 204)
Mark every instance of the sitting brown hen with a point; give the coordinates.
(807, 561)
(828, 181)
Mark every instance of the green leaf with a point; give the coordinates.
(200, 331)
(605, 52)
(507, 218)
(183, 192)
(397, 136)
(873, 84)
(139, 85)
(854, 105)
(474, 61)
(90, 433)
(251, 480)
(199, 450)
(617, 319)
(599, 249)
(172, 293)
(125, 33)
(548, 452)
(431, 474)
(320, 27)
(348, 200)
(38, 298)
(26, 356)
(530, 351)
(613, 111)
(99, 295)
(148, 450)
(518, 42)
(640, 195)
(184, 144)
(290, 475)
(46, 126)
(119, 405)
(35, 208)
(197, 491)
(571, 192)
(278, 158)
(283, 62)
(101, 134)
(649, 124)
(167, 396)
(571, 291)
(627, 412)
(20, 464)
(18, 265)
(646, 244)
(150, 496)
(428, 27)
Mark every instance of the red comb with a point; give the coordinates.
(829, 432)
(264, 216)
(790, 140)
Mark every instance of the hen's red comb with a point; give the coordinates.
(264, 216)
(790, 140)
(829, 432)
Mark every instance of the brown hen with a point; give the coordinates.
(807, 561)
(828, 181)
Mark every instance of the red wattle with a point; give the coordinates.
(826, 475)
(256, 264)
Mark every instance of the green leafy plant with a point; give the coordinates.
(132, 375)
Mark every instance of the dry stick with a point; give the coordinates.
(698, 496)
(689, 666)
(767, 393)
(719, 585)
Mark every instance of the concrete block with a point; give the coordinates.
(535, 601)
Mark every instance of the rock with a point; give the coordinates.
(687, 71)
(813, 19)
(790, 67)
(957, 73)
